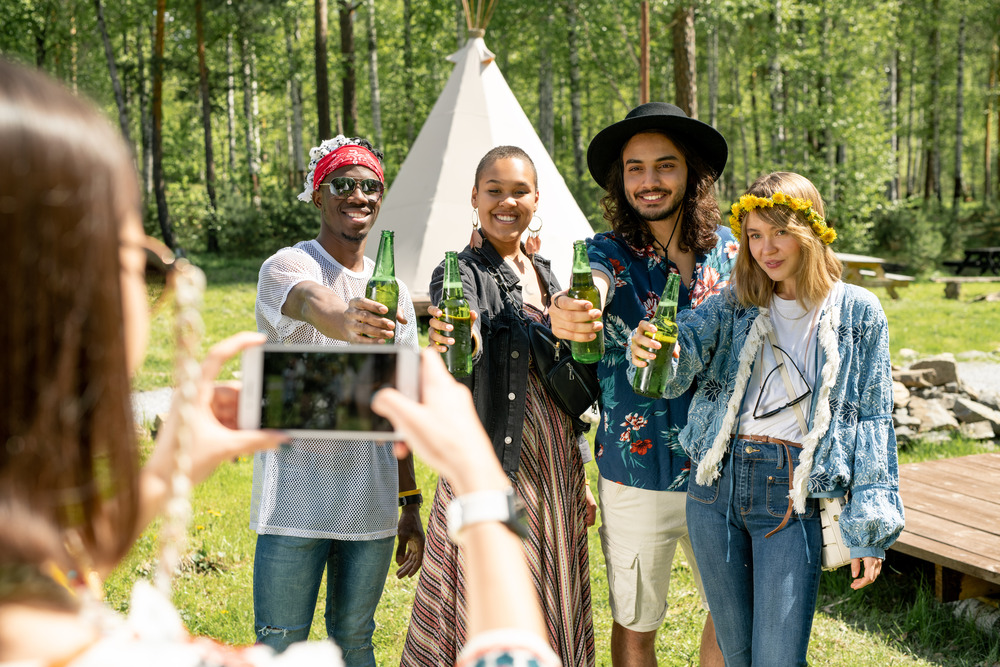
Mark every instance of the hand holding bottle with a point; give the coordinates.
(644, 346)
(439, 329)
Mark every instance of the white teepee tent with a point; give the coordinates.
(428, 206)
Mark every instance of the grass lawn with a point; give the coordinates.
(894, 622)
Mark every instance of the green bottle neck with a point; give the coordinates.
(385, 263)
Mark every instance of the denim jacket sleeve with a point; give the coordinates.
(873, 516)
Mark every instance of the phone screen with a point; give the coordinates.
(324, 391)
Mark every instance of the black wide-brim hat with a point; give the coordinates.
(696, 135)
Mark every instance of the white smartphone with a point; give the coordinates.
(321, 391)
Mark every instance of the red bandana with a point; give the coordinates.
(345, 156)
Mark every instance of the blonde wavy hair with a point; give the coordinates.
(819, 267)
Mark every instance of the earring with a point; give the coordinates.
(533, 244)
(475, 241)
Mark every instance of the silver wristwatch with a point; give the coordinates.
(497, 505)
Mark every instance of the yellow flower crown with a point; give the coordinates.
(748, 203)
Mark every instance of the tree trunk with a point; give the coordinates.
(461, 30)
(212, 237)
(145, 116)
(932, 161)
(685, 60)
(754, 119)
(230, 102)
(959, 111)
(373, 76)
(713, 72)
(115, 82)
(248, 132)
(987, 148)
(777, 87)
(911, 172)
(827, 102)
(296, 150)
(322, 77)
(349, 80)
(576, 110)
(159, 183)
(893, 74)
(546, 107)
(408, 69)
(741, 120)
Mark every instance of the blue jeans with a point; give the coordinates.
(763, 594)
(287, 572)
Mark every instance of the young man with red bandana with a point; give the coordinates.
(331, 504)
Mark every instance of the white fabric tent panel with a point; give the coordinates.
(428, 204)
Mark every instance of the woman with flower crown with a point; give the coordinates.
(793, 403)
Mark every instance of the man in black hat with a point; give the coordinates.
(658, 168)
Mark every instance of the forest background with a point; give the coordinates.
(889, 107)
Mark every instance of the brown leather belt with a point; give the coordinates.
(788, 457)
(769, 439)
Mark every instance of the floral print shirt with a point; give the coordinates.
(637, 441)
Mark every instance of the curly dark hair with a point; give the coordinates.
(699, 208)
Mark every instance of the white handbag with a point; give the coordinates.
(835, 552)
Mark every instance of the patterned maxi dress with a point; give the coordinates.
(550, 481)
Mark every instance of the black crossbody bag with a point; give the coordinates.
(573, 386)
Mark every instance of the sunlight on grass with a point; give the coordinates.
(894, 622)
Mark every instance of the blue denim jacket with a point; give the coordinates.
(851, 444)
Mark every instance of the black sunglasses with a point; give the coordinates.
(797, 399)
(344, 186)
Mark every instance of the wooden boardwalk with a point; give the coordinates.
(953, 521)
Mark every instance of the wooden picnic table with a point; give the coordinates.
(869, 271)
(953, 521)
(983, 259)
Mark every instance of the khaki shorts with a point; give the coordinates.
(639, 533)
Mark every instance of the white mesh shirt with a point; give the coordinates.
(336, 489)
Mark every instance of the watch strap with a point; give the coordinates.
(499, 505)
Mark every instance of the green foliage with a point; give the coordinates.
(909, 234)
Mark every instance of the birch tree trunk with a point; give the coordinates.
(546, 108)
(248, 130)
(713, 72)
(322, 75)
(159, 183)
(348, 93)
(296, 154)
(145, 116)
(778, 87)
(373, 76)
(932, 160)
(408, 69)
(685, 60)
(212, 237)
(893, 93)
(576, 107)
(123, 122)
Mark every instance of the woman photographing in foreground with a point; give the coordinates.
(794, 402)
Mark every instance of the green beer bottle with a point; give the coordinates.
(382, 286)
(582, 286)
(651, 379)
(455, 311)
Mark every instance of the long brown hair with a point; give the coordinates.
(699, 208)
(67, 436)
(819, 267)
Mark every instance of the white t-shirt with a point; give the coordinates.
(334, 489)
(795, 332)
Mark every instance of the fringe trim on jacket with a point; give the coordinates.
(708, 467)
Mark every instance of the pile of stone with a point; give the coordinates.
(932, 402)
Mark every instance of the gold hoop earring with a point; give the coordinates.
(475, 218)
(534, 232)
